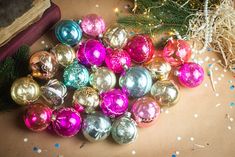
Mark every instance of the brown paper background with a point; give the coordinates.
(209, 129)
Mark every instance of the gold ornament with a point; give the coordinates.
(166, 93)
(159, 69)
(64, 54)
(25, 90)
(87, 97)
(116, 36)
(43, 65)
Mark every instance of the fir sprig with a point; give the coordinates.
(10, 69)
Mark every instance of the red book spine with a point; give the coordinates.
(32, 33)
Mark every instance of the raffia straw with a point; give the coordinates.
(222, 20)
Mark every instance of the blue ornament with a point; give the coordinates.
(76, 75)
(137, 81)
(68, 32)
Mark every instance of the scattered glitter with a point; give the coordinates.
(42, 42)
(25, 139)
(191, 139)
(216, 94)
(57, 145)
(200, 146)
(195, 115)
(232, 104)
(213, 59)
(206, 85)
(219, 78)
(60, 155)
(217, 105)
(162, 110)
(232, 87)
(167, 111)
(215, 82)
(209, 65)
(46, 46)
(133, 152)
(216, 68)
(230, 81)
(39, 151)
(177, 152)
(225, 70)
(229, 127)
(231, 119)
(97, 6)
(207, 59)
(179, 138)
(209, 49)
(222, 75)
(116, 10)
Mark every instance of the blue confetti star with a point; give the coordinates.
(232, 87)
(173, 155)
(232, 104)
(57, 145)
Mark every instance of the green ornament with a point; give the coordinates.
(76, 75)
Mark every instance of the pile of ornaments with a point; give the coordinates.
(100, 106)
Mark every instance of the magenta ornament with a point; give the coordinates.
(140, 48)
(91, 52)
(114, 103)
(37, 117)
(117, 59)
(145, 111)
(177, 52)
(66, 122)
(93, 25)
(190, 74)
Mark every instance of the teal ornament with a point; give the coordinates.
(136, 81)
(68, 32)
(76, 75)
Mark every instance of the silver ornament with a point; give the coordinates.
(54, 92)
(102, 79)
(124, 130)
(96, 127)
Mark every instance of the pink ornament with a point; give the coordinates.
(145, 111)
(190, 74)
(114, 103)
(140, 48)
(176, 52)
(67, 122)
(91, 52)
(37, 117)
(93, 25)
(117, 59)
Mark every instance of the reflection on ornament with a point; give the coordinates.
(87, 97)
(25, 90)
(176, 52)
(137, 81)
(166, 93)
(43, 65)
(93, 25)
(65, 54)
(91, 52)
(54, 92)
(37, 117)
(116, 36)
(145, 111)
(76, 75)
(102, 79)
(124, 130)
(68, 32)
(96, 127)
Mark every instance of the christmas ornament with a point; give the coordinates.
(54, 92)
(64, 54)
(166, 93)
(190, 74)
(43, 65)
(116, 36)
(102, 79)
(96, 127)
(136, 81)
(145, 111)
(93, 25)
(176, 52)
(68, 32)
(140, 48)
(117, 60)
(37, 117)
(114, 103)
(91, 52)
(76, 75)
(25, 90)
(159, 69)
(66, 122)
(124, 130)
(87, 97)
